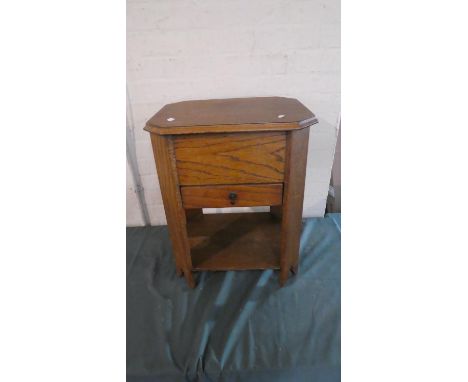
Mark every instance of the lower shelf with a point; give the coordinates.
(221, 242)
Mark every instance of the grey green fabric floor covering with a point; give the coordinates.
(234, 326)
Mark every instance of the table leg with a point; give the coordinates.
(172, 200)
(293, 197)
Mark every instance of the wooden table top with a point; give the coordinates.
(231, 115)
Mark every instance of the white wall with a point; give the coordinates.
(188, 49)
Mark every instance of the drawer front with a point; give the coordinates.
(234, 195)
(236, 158)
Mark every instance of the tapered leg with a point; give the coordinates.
(293, 197)
(175, 213)
(189, 278)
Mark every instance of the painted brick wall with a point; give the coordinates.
(189, 49)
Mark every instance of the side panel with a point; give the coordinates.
(175, 214)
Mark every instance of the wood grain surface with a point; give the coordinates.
(233, 153)
(294, 182)
(231, 115)
(234, 241)
(233, 195)
(230, 158)
(175, 214)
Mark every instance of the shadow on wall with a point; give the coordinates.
(334, 198)
(322, 142)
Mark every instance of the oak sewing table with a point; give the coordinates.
(239, 152)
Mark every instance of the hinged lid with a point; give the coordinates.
(231, 115)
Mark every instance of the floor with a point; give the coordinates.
(237, 325)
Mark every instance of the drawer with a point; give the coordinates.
(234, 195)
(236, 158)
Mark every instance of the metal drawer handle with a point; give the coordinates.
(232, 197)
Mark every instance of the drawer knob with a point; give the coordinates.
(232, 197)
